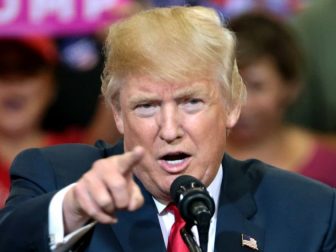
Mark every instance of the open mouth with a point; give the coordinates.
(175, 158)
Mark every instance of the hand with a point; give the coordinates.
(108, 186)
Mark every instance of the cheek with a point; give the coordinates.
(41, 88)
(210, 140)
(272, 108)
(46, 96)
(41, 99)
(263, 107)
(139, 132)
(207, 128)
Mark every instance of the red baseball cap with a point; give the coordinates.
(25, 55)
(43, 46)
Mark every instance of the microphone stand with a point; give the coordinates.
(202, 222)
(188, 238)
(203, 233)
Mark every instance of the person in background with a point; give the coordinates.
(80, 66)
(173, 86)
(270, 63)
(27, 89)
(316, 107)
(314, 28)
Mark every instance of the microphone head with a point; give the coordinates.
(185, 191)
(181, 184)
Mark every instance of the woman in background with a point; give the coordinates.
(270, 64)
(27, 89)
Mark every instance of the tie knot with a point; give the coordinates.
(172, 208)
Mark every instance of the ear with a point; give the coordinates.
(118, 118)
(233, 116)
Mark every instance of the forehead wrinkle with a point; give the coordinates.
(188, 91)
(177, 91)
(142, 96)
(197, 89)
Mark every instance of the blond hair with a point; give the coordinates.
(177, 44)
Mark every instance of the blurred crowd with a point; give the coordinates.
(50, 86)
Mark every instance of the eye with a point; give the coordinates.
(255, 86)
(192, 105)
(146, 109)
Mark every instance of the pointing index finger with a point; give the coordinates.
(129, 159)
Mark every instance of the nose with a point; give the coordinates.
(171, 129)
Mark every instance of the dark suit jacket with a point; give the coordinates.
(283, 212)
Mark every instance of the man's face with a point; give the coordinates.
(182, 127)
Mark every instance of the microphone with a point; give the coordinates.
(195, 204)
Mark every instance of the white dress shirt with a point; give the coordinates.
(60, 243)
(167, 219)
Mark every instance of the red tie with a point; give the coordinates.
(175, 241)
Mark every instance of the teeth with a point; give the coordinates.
(175, 162)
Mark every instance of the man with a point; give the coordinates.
(173, 86)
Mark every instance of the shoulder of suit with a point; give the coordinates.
(64, 163)
(100, 149)
(262, 178)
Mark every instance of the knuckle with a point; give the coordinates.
(104, 167)
(92, 212)
(98, 164)
(102, 164)
(86, 179)
(78, 191)
(106, 204)
(118, 185)
(122, 203)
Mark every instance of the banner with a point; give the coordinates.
(56, 17)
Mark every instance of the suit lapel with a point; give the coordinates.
(140, 230)
(236, 209)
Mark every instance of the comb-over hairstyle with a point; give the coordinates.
(178, 44)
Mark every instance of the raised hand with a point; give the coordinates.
(108, 186)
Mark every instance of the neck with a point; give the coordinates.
(279, 149)
(259, 146)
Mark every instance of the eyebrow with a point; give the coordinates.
(194, 90)
(142, 97)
